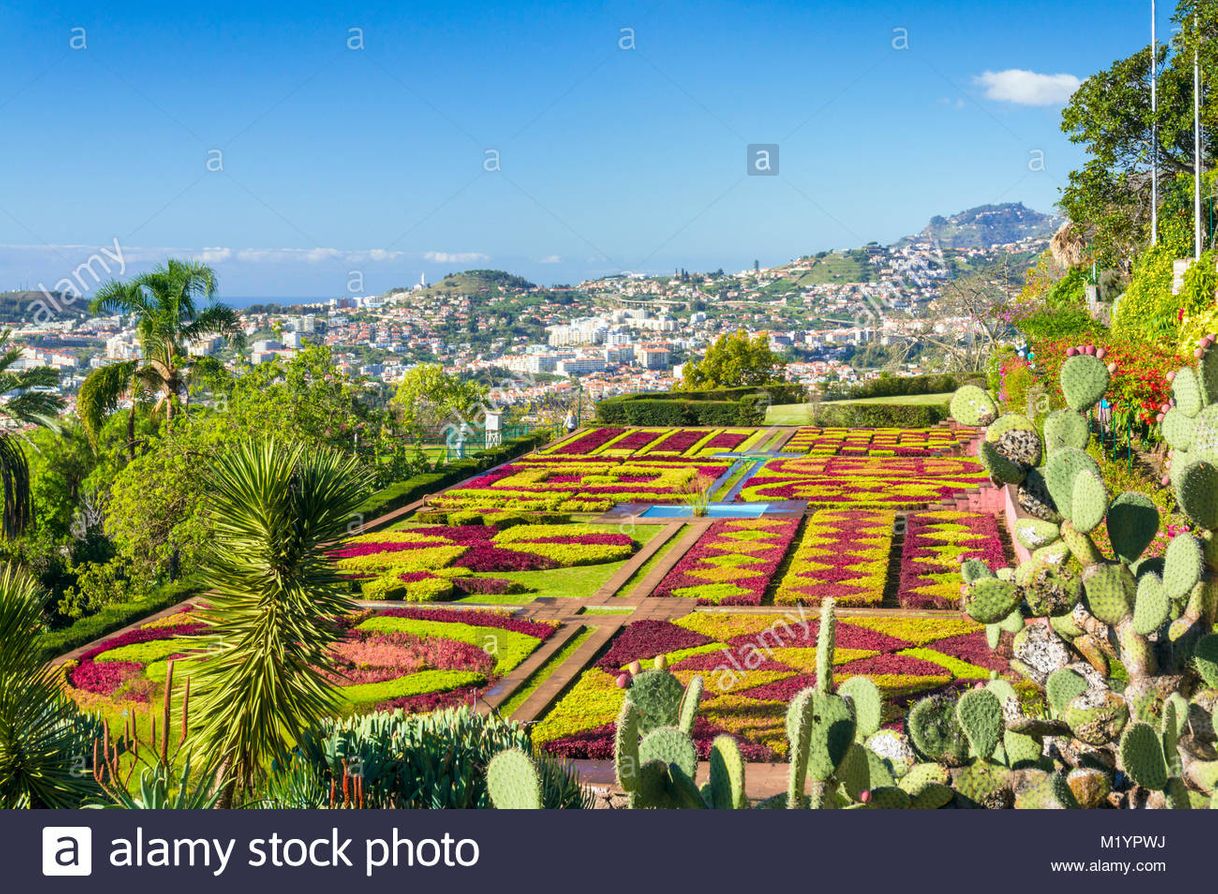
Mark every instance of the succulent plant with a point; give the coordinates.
(1076, 610)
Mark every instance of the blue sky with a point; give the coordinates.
(374, 160)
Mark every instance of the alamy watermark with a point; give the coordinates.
(106, 263)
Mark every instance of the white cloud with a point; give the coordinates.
(455, 257)
(1027, 88)
(551, 259)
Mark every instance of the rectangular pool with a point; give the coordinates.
(715, 510)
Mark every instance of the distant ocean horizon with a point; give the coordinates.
(286, 300)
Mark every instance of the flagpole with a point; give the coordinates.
(1197, 229)
(1154, 129)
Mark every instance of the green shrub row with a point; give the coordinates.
(878, 415)
(724, 406)
(116, 616)
(401, 493)
(896, 386)
(663, 412)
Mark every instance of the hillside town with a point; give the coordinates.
(836, 316)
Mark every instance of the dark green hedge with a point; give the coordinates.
(116, 616)
(676, 412)
(895, 386)
(400, 493)
(725, 406)
(879, 415)
(779, 393)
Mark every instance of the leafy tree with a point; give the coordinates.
(735, 361)
(1110, 116)
(27, 404)
(172, 306)
(274, 603)
(44, 740)
(428, 398)
(154, 514)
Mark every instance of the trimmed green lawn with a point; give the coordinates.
(799, 414)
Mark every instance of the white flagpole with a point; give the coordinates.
(1197, 229)
(1154, 129)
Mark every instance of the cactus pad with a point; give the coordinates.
(1110, 591)
(1062, 687)
(1186, 389)
(1142, 756)
(980, 716)
(1204, 444)
(1133, 521)
(1207, 375)
(1089, 786)
(512, 781)
(935, 732)
(985, 784)
(1084, 379)
(657, 695)
(669, 745)
(867, 702)
(626, 748)
(1178, 429)
(927, 786)
(991, 600)
(1152, 607)
(1088, 502)
(997, 466)
(1066, 428)
(688, 713)
(1063, 467)
(972, 406)
(1183, 564)
(975, 569)
(1035, 533)
(1197, 491)
(726, 775)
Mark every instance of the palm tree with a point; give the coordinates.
(172, 306)
(25, 402)
(274, 604)
(45, 742)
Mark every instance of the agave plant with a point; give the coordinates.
(45, 742)
(273, 607)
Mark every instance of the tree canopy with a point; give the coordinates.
(735, 360)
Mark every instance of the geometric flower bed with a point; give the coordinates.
(936, 544)
(581, 484)
(876, 441)
(414, 659)
(753, 664)
(425, 563)
(731, 563)
(892, 482)
(672, 442)
(843, 555)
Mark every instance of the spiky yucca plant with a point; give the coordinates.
(44, 740)
(274, 604)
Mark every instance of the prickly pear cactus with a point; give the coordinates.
(1085, 604)
(513, 781)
